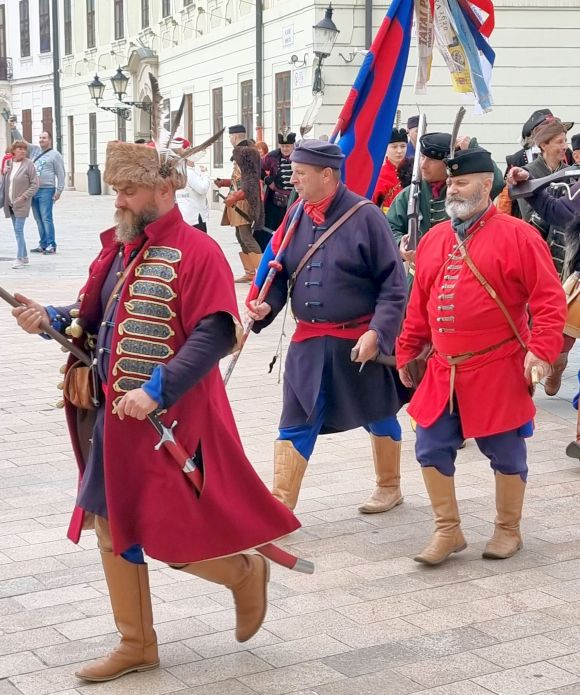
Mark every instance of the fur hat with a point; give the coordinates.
(550, 128)
(398, 135)
(139, 164)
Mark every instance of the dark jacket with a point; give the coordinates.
(357, 272)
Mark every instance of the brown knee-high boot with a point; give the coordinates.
(131, 603)
(387, 461)
(289, 469)
(247, 577)
(509, 501)
(448, 537)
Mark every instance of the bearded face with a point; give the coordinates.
(131, 225)
(465, 204)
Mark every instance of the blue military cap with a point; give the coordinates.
(474, 160)
(317, 153)
(436, 145)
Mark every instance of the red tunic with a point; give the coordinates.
(149, 500)
(450, 308)
(388, 184)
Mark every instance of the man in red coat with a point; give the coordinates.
(160, 309)
(478, 276)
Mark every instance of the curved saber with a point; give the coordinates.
(275, 266)
(189, 467)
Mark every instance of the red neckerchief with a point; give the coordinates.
(436, 188)
(317, 211)
(128, 250)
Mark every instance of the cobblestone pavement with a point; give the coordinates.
(370, 621)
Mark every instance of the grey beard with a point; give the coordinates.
(128, 231)
(463, 209)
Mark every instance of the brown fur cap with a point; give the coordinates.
(127, 162)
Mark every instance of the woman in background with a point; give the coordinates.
(20, 184)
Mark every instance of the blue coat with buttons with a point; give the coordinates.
(357, 272)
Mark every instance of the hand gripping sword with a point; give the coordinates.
(185, 462)
(191, 470)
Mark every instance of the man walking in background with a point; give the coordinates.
(50, 169)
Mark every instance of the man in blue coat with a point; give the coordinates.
(349, 294)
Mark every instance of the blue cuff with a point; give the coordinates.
(57, 321)
(156, 385)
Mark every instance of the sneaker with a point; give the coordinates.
(49, 250)
(18, 264)
(38, 249)
(25, 260)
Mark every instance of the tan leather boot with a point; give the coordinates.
(131, 602)
(387, 460)
(448, 537)
(247, 577)
(248, 275)
(255, 259)
(553, 382)
(289, 469)
(509, 500)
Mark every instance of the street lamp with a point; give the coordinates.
(325, 34)
(119, 82)
(96, 90)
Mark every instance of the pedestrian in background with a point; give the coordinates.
(50, 169)
(192, 200)
(20, 183)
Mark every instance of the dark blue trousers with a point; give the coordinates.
(437, 446)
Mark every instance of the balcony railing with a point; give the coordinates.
(5, 69)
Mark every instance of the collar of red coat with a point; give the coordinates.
(157, 232)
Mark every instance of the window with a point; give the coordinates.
(2, 31)
(24, 29)
(92, 138)
(121, 128)
(47, 120)
(187, 2)
(247, 99)
(217, 102)
(282, 100)
(27, 124)
(144, 14)
(44, 25)
(67, 28)
(91, 41)
(165, 8)
(119, 20)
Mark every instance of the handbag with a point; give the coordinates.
(78, 386)
(280, 199)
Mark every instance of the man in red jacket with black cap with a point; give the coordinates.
(478, 276)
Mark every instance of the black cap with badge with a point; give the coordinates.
(474, 160)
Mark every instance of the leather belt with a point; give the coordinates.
(454, 360)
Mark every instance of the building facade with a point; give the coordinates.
(26, 67)
(207, 51)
